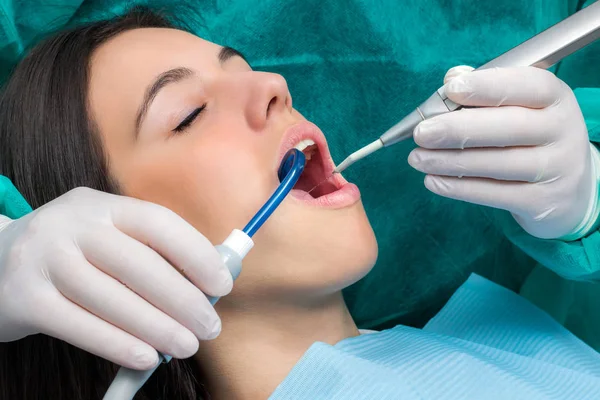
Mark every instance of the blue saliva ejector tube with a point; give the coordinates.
(289, 172)
(127, 382)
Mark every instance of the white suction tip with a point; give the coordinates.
(239, 242)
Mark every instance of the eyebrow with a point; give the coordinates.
(228, 52)
(173, 76)
(170, 76)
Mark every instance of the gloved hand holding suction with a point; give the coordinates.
(112, 275)
(525, 149)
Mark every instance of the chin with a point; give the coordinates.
(351, 250)
(304, 253)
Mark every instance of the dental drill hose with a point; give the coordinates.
(541, 51)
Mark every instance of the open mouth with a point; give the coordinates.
(317, 185)
(316, 180)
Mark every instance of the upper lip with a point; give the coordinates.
(306, 130)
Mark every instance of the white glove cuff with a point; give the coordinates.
(591, 221)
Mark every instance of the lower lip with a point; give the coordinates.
(345, 196)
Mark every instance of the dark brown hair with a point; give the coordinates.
(49, 146)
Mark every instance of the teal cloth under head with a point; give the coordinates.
(356, 67)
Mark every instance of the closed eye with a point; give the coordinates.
(187, 121)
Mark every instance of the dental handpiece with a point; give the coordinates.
(541, 51)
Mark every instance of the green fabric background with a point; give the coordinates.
(355, 68)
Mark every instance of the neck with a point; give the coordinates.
(259, 345)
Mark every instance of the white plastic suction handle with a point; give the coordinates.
(128, 381)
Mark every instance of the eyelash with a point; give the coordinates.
(187, 121)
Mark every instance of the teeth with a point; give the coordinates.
(304, 144)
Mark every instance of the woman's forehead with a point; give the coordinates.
(122, 69)
(160, 46)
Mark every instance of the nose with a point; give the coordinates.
(269, 99)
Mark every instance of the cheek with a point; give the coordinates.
(236, 182)
(216, 185)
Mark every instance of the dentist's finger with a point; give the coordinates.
(525, 164)
(107, 298)
(520, 86)
(486, 127)
(456, 71)
(504, 195)
(64, 320)
(149, 275)
(176, 241)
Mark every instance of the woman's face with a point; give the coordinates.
(187, 124)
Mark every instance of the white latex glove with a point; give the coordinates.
(526, 150)
(102, 272)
